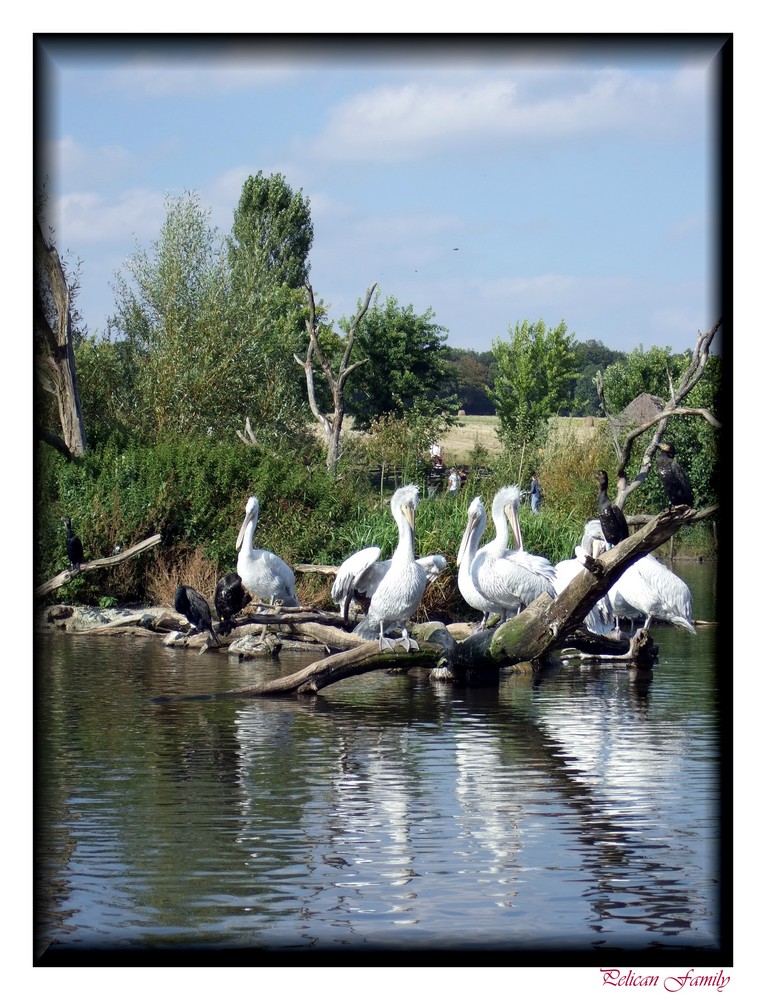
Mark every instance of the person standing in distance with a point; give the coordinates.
(535, 494)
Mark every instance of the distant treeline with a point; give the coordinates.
(473, 373)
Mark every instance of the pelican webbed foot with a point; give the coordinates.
(406, 642)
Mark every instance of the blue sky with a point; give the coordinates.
(578, 182)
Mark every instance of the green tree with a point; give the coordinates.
(591, 356)
(641, 371)
(271, 236)
(190, 366)
(471, 376)
(535, 372)
(268, 252)
(407, 364)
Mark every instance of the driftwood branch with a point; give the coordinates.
(64, 577)
(350, 663)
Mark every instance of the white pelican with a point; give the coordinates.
(399, 593)
(600, 618)
(649, 590)
(511, 579)
(646, 589)
(474, 529)
(359, 576)
(593, 541)
(263, 574)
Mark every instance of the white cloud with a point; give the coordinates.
(401, 122)
(74, 164)
(77, 166)
(85, 217)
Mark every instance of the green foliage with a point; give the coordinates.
(106, 371)
(407, 364)
(591, 356)
(535, 371)
(180, 357)
(566, 469)
(641, 371)
(192, 493)
(403, 442)
(268, 253)
(271, 236)
(471, 376)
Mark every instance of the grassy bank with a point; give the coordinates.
(194, 492)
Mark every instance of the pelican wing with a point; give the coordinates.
(434, 566)
(511, 581)
(399, 593)
(355, 573)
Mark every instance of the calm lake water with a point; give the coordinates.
(578, 811)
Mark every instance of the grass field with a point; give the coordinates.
(460, 441)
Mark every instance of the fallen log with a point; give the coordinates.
(349, 663)
(64, 577)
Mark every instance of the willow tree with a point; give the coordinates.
(191, 366)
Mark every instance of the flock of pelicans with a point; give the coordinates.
(493, 578)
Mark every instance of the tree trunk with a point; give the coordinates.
(331, 423)
(53, 335)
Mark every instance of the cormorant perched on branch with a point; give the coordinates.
(73, 547)
(230, 598)
(193, 606)
(672, 476)
(613, 523)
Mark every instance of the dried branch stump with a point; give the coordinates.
(86, 567)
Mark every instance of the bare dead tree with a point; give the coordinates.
(54, 353)
(672, 408)
(331, 423)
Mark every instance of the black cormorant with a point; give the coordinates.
(230, 598)
(613, 523)
(673, 478)
(73, 547)
(193, 606)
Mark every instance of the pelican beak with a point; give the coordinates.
(472, 522)
(241, 535)
(409, 515)
(513, 519)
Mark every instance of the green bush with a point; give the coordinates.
(193, 492)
